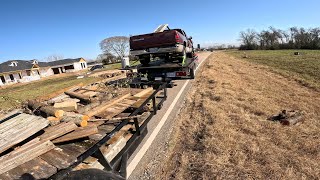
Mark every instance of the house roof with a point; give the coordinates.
(60, 62)
(28, 64)
(21, 65)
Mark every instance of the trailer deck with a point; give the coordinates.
(106, 149)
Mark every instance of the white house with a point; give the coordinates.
(14, 71)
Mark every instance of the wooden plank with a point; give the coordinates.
(19, 128)
(66, 105)
(73, 150)
(82, 97)
(80, 132)
(106, 105)
(58, 158)
(112, 111)
(119, 134)
(91, 94)
(53, 132)
(144, 92)
(24, 154)
(4, 117)
(38, 168)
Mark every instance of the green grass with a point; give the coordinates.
(304, 68)
(119, 66)
(12, 97)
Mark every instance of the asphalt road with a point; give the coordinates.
(146, 158)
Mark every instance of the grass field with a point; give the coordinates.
(12, 97)
(304, 68)
(222, 132)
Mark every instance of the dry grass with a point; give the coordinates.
(12, 97)
(224, 134)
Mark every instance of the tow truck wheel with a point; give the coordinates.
(192, 72)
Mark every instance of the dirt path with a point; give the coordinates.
(223, 132)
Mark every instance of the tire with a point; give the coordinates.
(192, 72)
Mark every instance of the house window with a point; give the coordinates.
(3, 79)
(11, 77)
(28, 72)
(38, 72)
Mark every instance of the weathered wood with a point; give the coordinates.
(292, 120)
(73, 149)
(83, 98)
(78, 119)
(19, 128)
(106, 105)
(58, 158)
(61, 129)
(119, 134)
(115, 119)
(24, 154)
(66, 105)
(113, 111)
(80, 132)
(37, 168)
(48, 110)
(4, 117)
(53, 120)
(144, 92)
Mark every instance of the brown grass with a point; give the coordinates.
(224, 134)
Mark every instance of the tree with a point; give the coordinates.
(106, 58)
(248, 39)
(117, 45)
(54, 57)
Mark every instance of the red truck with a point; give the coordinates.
(170, 44)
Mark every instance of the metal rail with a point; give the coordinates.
(118, 165)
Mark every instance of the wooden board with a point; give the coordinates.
(19, 128)
(35, 168)
(58, 158)
(73, 150)
(24, 154)
(116, 109)
(144, 93)
(80, 132)
(106, 105)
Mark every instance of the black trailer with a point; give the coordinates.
(116, 168)
(165, 71)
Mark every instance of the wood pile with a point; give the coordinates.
(287, 118)
(49, 136)
(107, 74)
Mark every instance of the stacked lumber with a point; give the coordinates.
(56, 131)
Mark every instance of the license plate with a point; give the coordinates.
(171, 74)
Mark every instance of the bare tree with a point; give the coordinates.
(106, 58)
(117, 45)
(53, 57)
(248, 39)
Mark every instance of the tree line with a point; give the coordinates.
(273, 39)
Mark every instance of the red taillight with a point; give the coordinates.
(177, 37)
(182, 73)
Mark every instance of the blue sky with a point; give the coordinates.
(35, 29)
